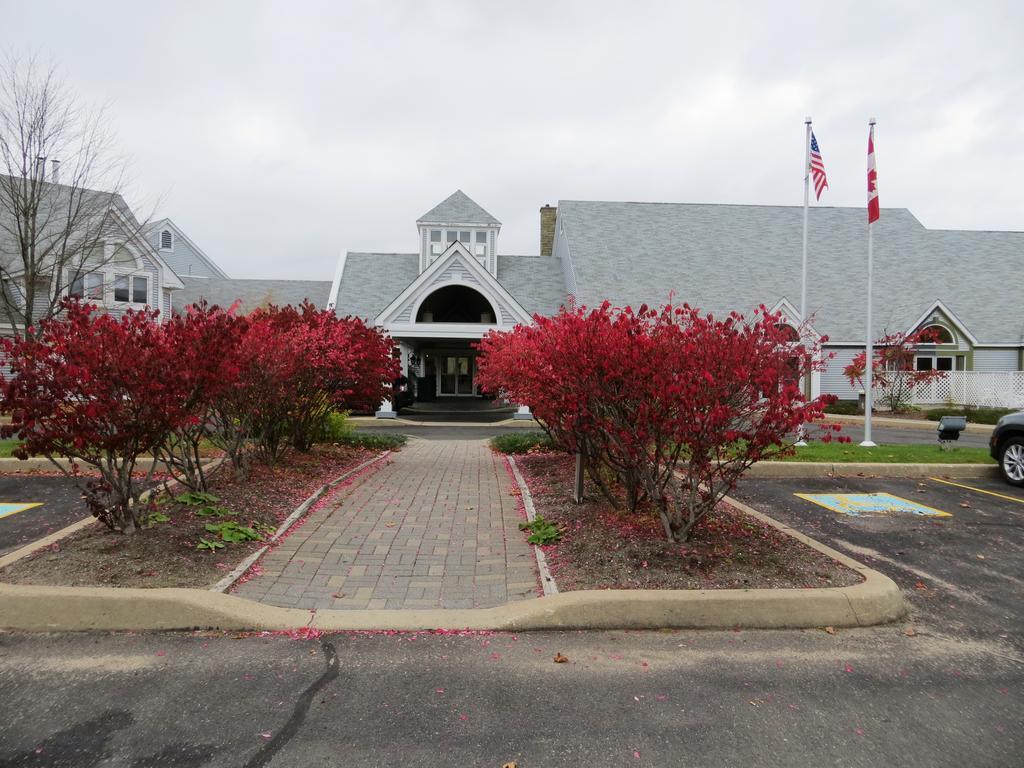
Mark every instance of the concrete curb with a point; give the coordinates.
(225, 584)
(876, 600)
(10, 466)
(781, 469)
(547, 581)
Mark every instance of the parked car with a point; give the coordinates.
(1007, 447)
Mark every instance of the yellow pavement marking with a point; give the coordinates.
(979, 490)
(8, 508)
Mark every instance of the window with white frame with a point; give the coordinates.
(474, 240)
(166, 240)
(133, 289)
(936, 363)
(85, 286)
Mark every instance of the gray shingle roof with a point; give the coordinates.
(251, 293)
(371, 281)
(536, 282)
(734, 257)
(458, 209)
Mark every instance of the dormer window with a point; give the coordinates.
(166, 240)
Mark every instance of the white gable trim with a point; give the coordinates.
(426, 284)
(332, 298)
(792, 314)
(938, 305)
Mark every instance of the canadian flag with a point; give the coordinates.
(872, 178)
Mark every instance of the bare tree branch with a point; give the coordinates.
(54, 231)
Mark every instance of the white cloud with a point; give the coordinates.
(277, 134)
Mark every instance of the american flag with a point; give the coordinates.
(817, 168)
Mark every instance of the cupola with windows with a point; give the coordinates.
(458, 219)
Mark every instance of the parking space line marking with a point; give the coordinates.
(979, 490)
(8, 508)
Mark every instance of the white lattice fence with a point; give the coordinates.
(996, 389)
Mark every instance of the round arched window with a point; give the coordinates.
(937, 334)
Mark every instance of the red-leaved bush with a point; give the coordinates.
(295, 366)
(672, 404)
(892, 371)
(95, 389)
(104, 390)
(205, 368)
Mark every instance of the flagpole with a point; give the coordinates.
(869, 358)
(802, 433)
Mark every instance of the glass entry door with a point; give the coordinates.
(456, 376)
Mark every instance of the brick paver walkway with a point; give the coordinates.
(435, 528)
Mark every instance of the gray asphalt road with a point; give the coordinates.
(870, 697)
(962, 573)
(61, 505)
(890, 435)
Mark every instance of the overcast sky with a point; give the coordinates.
(278, 134)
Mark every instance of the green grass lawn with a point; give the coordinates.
(890, 454)
(6, 446)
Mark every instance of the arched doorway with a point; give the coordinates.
(449, 364)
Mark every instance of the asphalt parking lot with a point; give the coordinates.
(962, 573)
(59, 505)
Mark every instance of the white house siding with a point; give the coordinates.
(181, 258)
(1004, 359)
(833, 382)
(165, 306)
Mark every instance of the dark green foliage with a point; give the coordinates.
(541, 531)
(196, 498)
(521, 442)
(333, 428)
(231, 531)
(844, 408)
(974, 415)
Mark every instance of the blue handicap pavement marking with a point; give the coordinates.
(870, 504)
(8, 508)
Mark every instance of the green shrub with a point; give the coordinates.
(541, 531)
(334, 428)
(974, 415)
(521, 442)
(844, 408)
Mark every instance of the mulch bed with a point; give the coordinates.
(602, 548)
(165, 554)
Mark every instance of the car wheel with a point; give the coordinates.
(1011, 462)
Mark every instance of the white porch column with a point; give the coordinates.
(523, 413)
(386, 410)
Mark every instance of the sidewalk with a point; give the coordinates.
(435, 528)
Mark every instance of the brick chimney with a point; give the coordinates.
(547, 229)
